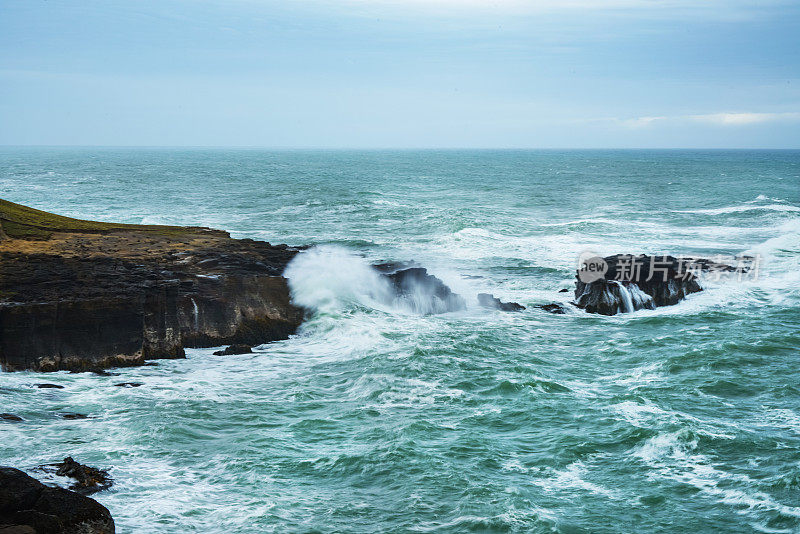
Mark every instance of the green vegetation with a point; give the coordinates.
(22, 222)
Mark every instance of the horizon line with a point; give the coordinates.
(389, 148)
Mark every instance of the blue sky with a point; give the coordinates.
(401, 73)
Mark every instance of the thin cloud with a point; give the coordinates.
(534, 6)
(719, 119)
(737, 119)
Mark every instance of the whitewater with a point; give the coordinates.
(382, 416)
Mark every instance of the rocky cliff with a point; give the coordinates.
(88, 295)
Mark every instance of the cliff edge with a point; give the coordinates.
(80, 295)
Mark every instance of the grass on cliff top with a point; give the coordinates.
(21, 222)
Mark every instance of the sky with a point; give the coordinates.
(401, 73)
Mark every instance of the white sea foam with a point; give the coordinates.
(639, 298)
(742, 209)
(674, 456)
(573, 476)
(328, 278)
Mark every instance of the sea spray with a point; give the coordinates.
(326, 279)
(195, 314)
(640, 299)
(625, 297)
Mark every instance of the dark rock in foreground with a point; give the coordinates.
(633, 283)
(423, 292)
(84, 295)
(27, 505)
(489, 301)
(234, 349)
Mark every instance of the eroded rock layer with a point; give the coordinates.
(74, 296)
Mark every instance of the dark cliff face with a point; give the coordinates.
(78, 300)
(87, 313)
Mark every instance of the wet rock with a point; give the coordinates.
(633, 283)
(552, 308)
(234, 349)
(17, 529)
(394, 266)
(489, 301)
(128, 384)
(49, 386)
(103, 372)
(28, 506)
(88, 479)
(10, 417)
(71, 416)
(565, 290)
(609, 297)
(423, 292)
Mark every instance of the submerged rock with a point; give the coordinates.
(10, 417)
(628, 283)
(235, 349)
(556, 308)
(128, 384)
(423, 292)
(49, 386)
(489, 301)
(72, 416)
(28, 506)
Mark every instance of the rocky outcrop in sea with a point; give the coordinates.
(626, 283)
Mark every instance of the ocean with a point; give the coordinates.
(376, 419)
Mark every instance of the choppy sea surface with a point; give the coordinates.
(374, 419)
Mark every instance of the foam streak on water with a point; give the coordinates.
(379, 418)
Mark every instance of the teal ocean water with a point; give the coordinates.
(375, 419)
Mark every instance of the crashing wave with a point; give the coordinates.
(327, 279)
